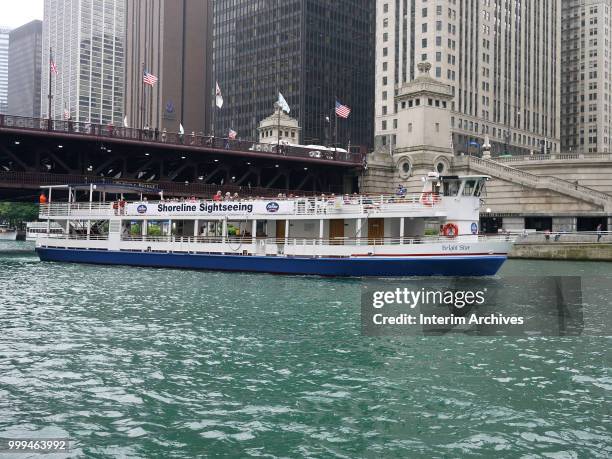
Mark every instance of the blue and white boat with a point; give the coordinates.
(347, 235)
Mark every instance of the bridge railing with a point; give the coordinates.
(193, 139)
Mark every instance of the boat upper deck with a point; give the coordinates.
(321, 207)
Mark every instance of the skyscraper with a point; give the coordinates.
(171, 39)
(501, 59)
(586, 76)
(25, 70)
(312, 51)
(4, 51)
(87, 39)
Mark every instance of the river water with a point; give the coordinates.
(132, 362)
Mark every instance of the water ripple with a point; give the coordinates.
(160, 363)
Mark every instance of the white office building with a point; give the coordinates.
(586, 76)
(500, 58)
(87, 39)
(4, 57)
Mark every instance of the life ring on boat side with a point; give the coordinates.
(429, 199)
(115, 205)
(450, 230)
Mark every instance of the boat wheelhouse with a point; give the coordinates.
(333, 235)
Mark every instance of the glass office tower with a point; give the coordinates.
(312, 51)
(88, 39)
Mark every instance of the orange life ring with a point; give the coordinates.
(115, 205)
(450, 230)
(429, 199)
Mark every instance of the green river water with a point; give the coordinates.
(133, 362)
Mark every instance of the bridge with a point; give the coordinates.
(36, 152)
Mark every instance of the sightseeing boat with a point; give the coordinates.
(329, 235)
(7, 233)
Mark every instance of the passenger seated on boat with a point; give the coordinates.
(218, 196)
(228, 196)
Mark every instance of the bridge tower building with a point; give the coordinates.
(424, 138)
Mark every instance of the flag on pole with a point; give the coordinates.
(232, 134)
(342, 110)
(149, 78)
(53, 66)
(181, 130)
(218, 96)
(66, 114)
(282, 103)
(125, 121)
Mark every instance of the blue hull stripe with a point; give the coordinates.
(486, 265)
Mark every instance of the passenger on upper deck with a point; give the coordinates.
(218, 196)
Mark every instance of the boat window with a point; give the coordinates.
(479, 187)
(450, 187)
(469, 187)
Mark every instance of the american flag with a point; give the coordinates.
(53, 67)
(149, 78)
(232, 134)
(342, 110)
(66, 114)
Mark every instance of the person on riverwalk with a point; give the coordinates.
(599, 232)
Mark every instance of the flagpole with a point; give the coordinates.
(336, 132)
(141, 98)
(50, 96)
(278, 128)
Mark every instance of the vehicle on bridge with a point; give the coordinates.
(343, 235)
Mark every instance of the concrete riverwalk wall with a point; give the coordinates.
(584, 251)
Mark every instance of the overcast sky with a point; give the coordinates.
(15, 13)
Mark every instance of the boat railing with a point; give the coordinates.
(360, 204)
(82, 209)
(316, 241)
(76, 237)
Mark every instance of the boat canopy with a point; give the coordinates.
(116, 188)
